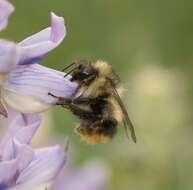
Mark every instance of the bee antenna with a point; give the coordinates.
(69, 66)
(69, 72)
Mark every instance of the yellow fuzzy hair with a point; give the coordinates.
(95, 88)
(104, 68)
(116, 110)
(91, 138)
(121, 90)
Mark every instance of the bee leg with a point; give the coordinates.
(85, 82)
(89, 79)
(81, 113)
(99, 100)
(83, 100)
(54, 96)
(61, 100)
(77, 90)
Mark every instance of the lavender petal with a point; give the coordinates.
(6, 9)
(45, 166)
(92, 176)
(9, 56)
(3, 110)
(28, 86)
(37, 45)
(24, 155)
(8, 170)
(21, 127)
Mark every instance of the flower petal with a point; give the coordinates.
(27, 88)
(8, 170)
(24, 155)
(93, 176)
(7, 151)
(29, 129)
(6, 9)
(22, 127)
(9, 56)
(3, 110)
(45, 166)
(24, 103)
(37, 45)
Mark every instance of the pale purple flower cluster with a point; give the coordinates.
(6, 9)
(24, 92)
(92, 176)
(27, 83)
(21, 167)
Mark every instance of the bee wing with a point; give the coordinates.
(127, 122)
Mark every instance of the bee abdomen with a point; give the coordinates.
(109, 127)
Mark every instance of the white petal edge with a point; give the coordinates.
(23, 103)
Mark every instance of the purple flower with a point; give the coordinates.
(27, 84)
(36, 46)
(6, 9)
(93, 176)
(21, 167)
(9, 56)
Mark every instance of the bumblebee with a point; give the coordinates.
(96, 101)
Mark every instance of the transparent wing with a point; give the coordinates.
(127, 122)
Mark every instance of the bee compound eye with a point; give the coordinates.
(80, 66)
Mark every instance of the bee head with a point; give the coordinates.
(83, 71)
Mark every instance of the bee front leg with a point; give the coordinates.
(89, 79)
(84, 82)
(77, 89)
(61, 100)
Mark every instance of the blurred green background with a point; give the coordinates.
(150, 45)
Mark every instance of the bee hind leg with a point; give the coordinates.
(82, 113)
